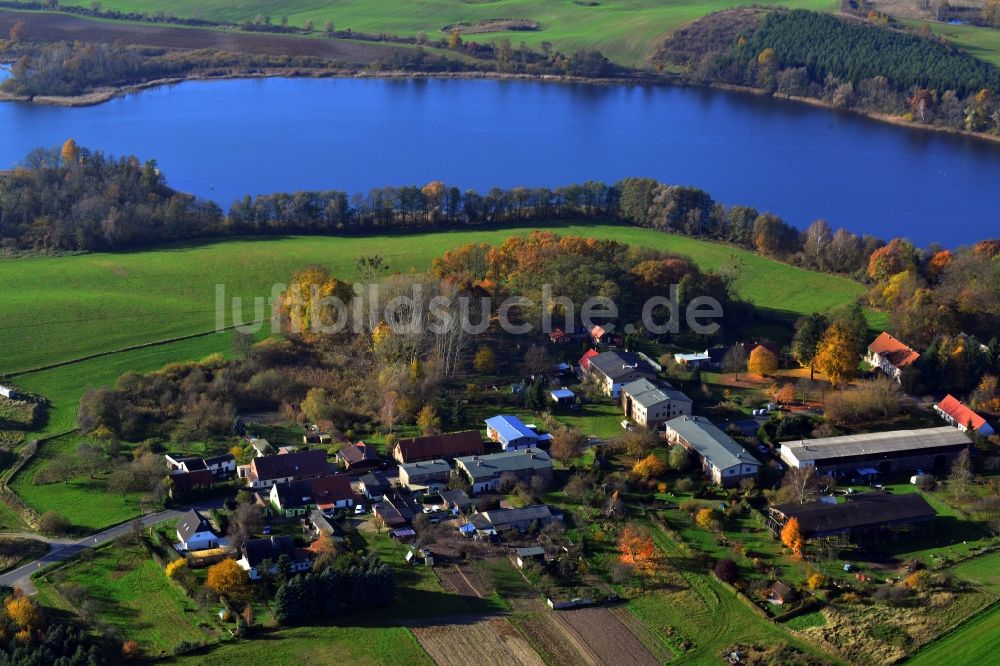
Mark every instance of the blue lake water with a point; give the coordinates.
(223, 139)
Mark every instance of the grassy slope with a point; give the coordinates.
(68, 307)
(981, 42)
(625, 30)
(133, 594)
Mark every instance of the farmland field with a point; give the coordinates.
(984, 571)
(488, 641)
(624, 30)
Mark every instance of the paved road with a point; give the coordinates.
(62, 549)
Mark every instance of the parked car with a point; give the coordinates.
(627, 425)
(359, 509)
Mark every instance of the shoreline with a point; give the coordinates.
(108, 93)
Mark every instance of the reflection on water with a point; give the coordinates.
(224, 139)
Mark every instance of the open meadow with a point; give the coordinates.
(69, 307)
(627, 31)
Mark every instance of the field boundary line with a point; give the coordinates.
(121, 350)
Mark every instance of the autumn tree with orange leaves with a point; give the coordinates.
(639, 553)
(792, 537)
(837, 356)
(762, 361)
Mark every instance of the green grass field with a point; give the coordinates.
(362, 645)
(982, 42)
(84, 501)
(984, 571)
(69, 307)
(132, 593)
(626, 31)
(976, 642)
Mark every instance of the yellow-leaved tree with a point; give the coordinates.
(762, 361)
(836, 357)
(70, 153)
(309, 305)
(650, 467)
(227, 578)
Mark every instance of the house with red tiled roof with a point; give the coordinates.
(445, 446)
(890, 355)
(584, 361)
(955, 412)
(559, 336)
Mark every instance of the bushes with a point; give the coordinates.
(873, 399)
(314, 596)
(54, 523)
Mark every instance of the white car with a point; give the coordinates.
(359, 509)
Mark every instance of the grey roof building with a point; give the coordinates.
(650, 405)
(880, 451)
(424, 473)
(721, 457)
(519, 519)
(485, 471)
(612, 369)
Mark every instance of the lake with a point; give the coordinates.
(223, 139)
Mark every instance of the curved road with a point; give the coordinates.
(62, 549)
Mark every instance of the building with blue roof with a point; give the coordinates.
(512, 434)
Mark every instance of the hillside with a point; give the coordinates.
(68, 307)
(626, 31)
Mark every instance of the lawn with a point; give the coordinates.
(626, 31)
(132, 593)
(72, 306)
(361, 645)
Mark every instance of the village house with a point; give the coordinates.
(332, 492)
(291, 498)
(485, 472)
(261, 447)
(9, 392)
(700, 360)
(890, 355)
(512, 434)
(257, 551)
(522, 519)
(374, 485)
(195, 532)
(429, 474)
(358, 458)
(559, 337)
(873, 453)
(456, 500)
(959, 415)
(431, 447)
(613, 369)
(780, 593)
(182, 482)
(221, 467)
(396, 509)
(720, 456)
(562, 396)
(531, 553)
(599, 336)
(650, 405)
(265, 471)
(865, 518)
